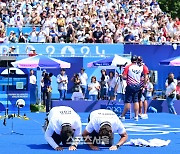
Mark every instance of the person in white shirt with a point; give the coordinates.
(170, 75)
(32, 78)
(33, 35)
(33, 86)
(111, 86)
(120, 88)
(93, 88)
(149, 90)
(63, 125)
(83, 77)
(171, 94)
(62, 81)
(102, 125)
(41, 36)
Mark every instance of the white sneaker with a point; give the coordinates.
(144, 116)
(139, 115)
(136, 118)
(122, 118)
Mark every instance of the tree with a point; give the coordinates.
(171, 7)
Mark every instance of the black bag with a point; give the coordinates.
(103, 83)
(171, 96)
(76, 88)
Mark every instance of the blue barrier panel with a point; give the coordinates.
(13, 97)
(67, 50)
(118, 109)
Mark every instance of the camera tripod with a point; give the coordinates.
(11, 116)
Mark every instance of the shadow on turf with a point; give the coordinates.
(39, 146)
(47, 147)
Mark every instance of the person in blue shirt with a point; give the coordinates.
(129, 38)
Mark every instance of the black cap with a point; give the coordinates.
(134, 58)
(139, 59)
(83, 69)
(62, 69)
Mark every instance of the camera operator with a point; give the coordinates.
(47, 89)
(103, 84)
(77, 82)
(120, 88)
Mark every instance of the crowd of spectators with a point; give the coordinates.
(89, 21)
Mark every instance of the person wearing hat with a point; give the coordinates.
(132, 73)
(63, 125)
(83, 77)
(61, 40)
(32, 52)
(102, 124)
(62, 81)
(12, 37)
(12, 50)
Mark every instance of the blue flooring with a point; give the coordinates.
(160, 125)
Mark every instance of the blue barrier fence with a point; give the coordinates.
(66, 50)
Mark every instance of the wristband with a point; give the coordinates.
(117, 146)
(74, 145)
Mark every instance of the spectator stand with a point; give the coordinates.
(141, 22)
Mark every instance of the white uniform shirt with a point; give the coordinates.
(97, 117)
(121, 86)
(149, 86)
(62, 85)
(112, 82)
(58, 116)
(83, 77)
(134, 72)
(93, 91)
(33, 37)
(32, 79)
(175, 81)
(41, 37)
(170, 88)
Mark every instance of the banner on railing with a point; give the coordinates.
(82, 50)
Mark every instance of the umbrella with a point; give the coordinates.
(17, 70)
(40, 61)
(175, 61)
(110, 62)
